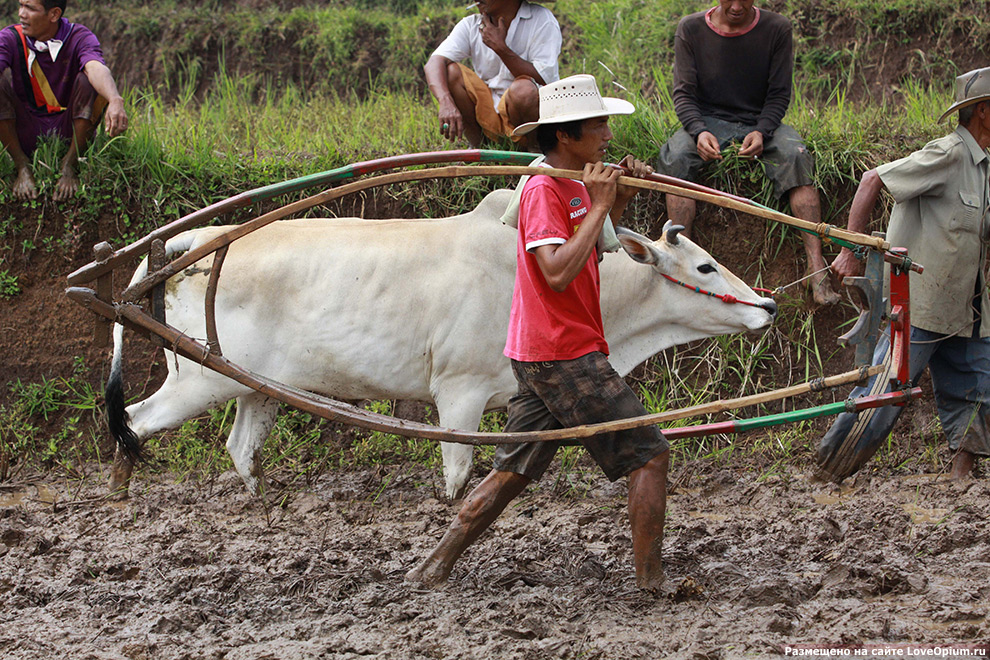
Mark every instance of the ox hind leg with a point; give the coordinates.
(255, 418)
(174, 403)
(462, 412)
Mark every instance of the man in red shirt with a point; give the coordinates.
(556, 339)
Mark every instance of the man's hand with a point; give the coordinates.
(631, 167)
(708, 147)
(600, 180)
(493, 34)
(846, 265)
(115, 118)
(752, 146)
(451, 120)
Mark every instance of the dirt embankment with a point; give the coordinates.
(202, 570)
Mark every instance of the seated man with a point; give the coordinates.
(732, 83)
(556, 337)
(513, 46)
(54, 81)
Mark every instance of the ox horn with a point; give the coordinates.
(671, 230)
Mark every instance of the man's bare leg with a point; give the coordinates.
(455, 83)
(681, 210)
(68, 184)
(480, 509)
(806, 205)
(962, 465)
(24, 187)
(522, 105)
(647, 511)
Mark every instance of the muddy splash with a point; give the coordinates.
(202, 570)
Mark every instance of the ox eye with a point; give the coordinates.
(706, 268)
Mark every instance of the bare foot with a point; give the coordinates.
(67, 186)
(651, 581)
(822, 290)
(24, 188)
(431, 573)
(962, 465)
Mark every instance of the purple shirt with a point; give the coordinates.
(79, 46)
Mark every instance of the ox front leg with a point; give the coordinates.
(463, 413)
(253, 422)
(457, 461)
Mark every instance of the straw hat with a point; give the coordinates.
(571, 99)
(971, 88)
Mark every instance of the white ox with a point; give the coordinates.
(403, 309)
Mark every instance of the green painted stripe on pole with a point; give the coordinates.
(514, 157)
(349, 172)
(788, 417)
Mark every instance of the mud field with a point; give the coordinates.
(200, 569)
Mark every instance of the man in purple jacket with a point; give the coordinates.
(732, 83)
(53, 80)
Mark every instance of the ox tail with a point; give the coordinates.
(118, 421)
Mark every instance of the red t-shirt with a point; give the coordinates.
(544, 324)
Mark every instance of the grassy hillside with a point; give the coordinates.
(229, 95)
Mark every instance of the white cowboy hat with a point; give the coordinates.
(971, 88)
(571, 99)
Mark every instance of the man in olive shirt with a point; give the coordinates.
(732, 83)
(941, 196)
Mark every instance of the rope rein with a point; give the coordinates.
(724, 297)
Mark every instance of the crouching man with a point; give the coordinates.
(556, 338)
(53, 80)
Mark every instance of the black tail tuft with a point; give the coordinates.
(117, 419)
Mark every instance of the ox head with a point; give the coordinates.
(678, 258)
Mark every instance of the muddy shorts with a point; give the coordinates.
(960, 370)
(495, 123)
(786, 160)
(565, 393)
(84, 103)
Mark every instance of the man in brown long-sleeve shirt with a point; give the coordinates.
(732, 83)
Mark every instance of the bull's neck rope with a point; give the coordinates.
(729, 298)
(724, 297)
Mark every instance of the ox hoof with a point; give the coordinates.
(456, 493)
(117, 492)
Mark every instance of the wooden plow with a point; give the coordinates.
(92, 287)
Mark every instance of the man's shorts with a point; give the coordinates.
(567, 393)
(786, 160)
(494, 123)
(84, 103)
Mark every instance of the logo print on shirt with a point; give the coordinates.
(576, 202)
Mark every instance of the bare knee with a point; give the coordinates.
(522, 101)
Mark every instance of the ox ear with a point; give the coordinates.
(639, 247)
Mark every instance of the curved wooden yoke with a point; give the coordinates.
(128, 311)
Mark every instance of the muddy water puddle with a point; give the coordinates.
(41, 493)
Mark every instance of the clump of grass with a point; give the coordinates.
(376, 447)
(50, 423)
(8, 284)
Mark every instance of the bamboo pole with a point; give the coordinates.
(663, 184)
(139, 289)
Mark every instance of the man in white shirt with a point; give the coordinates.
(513, 46)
